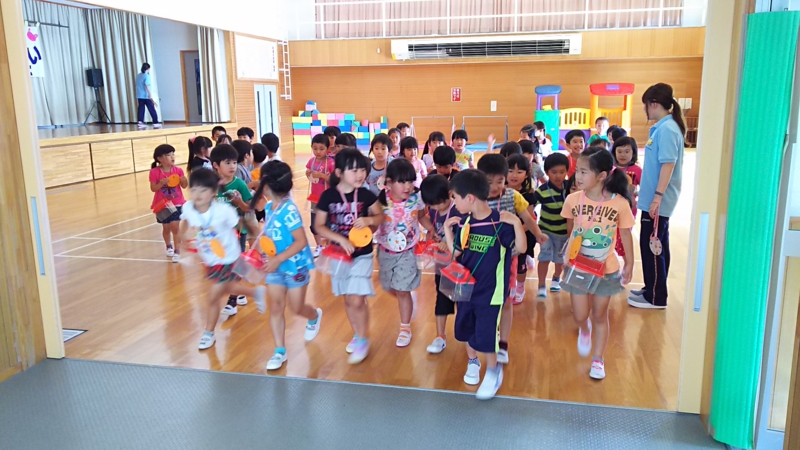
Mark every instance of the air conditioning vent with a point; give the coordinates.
(487, 47)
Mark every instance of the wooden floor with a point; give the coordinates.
(115, 282)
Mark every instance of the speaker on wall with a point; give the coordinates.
(94, 78)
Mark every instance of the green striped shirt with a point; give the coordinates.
(552, 200)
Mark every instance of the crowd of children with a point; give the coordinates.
(391, 202)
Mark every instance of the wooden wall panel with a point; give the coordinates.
(401, 92)
(22, 341)
(597, 45)
(112, 158)
(143, 152)
(66, 164)
(244, 99)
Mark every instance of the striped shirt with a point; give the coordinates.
(552, 200)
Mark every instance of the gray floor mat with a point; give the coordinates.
(71, 404)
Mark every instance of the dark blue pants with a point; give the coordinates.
(654, 268)
(151, 107)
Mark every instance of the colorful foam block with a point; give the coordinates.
(316, 122)
(301, 126)
(301, 119)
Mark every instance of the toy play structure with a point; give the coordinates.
(559, 122)
(311, 122)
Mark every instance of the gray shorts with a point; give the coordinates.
(398, 271)
(611, 284)
(357, 281)
(552, 250)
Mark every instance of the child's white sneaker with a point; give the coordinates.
(241, 300)
(473, 375)
(491, 383)
(502, 356)
(437, 346)
(555, 286)
(404, 338)
(598, 371)
(352, 344)
(229, 310)
(207, 341)
(170, 251)
(360, 351)
(276, 361)
(313, 330)
(541, 293)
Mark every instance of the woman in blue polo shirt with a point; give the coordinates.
(145, 97)
(659, 191)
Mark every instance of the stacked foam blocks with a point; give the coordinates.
(311, 122)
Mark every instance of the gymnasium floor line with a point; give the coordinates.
(105, 239)
(72, 404)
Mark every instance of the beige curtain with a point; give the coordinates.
(213, 75)
(560, 15)
(120, 44)
(61, 97)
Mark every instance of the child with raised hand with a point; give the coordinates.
(464, 158)
(594, 215)
(551, 196)
(199, 151)
(626, 154)
(167, 182)
(529, 150)
(435, 192)
(490, 239)
(288, 272)
(380, 147)
(345, 206)
(398, 234)
(495, 167)
(318, 170)
(232, 190)
(444, 160)
(435, 140)
(394, 136)
(408, 150)
(575, 143)
(213, 225)
(519, 179)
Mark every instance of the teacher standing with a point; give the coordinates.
(145, 97)
(658, 193)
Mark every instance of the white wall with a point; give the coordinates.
(169, 38)
(300, 17)
(264, 18)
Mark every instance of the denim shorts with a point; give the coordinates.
(551, 251)
(302, 278)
